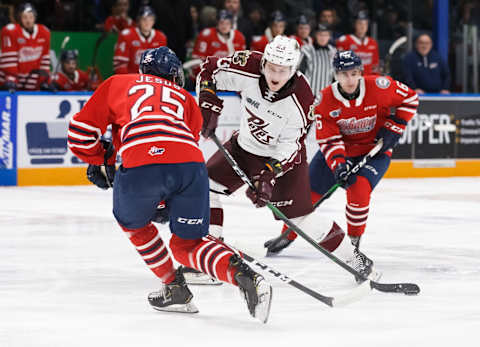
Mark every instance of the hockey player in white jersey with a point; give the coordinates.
(269, 147)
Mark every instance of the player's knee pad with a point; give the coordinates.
(359, 192)
(358, 201)
(216, 215)
(182, 249)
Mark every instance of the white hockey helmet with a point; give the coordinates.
(284, 51)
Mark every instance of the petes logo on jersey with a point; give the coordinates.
(335, 113)
(256, 126)
(153, 151)
(382, 82)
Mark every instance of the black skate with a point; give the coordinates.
(173, 297)
(277, 244)
(362, 263)
(195, 277)
(253, 288)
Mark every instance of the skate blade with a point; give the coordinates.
(200, 279)
(262, 310)
(178, 308)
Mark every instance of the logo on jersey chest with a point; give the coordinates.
(335, 113)
(153, 151)
(254, 103)
(353, 126)
(257, 129)
(28, 53)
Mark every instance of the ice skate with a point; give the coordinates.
(256, 292)
(173, 297)
(195, 277)
(360, 262)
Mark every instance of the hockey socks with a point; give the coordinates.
(206, 254)
(356, 211)
(153, 250)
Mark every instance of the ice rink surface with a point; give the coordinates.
(69, 277)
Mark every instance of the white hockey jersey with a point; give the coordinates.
(273, 124)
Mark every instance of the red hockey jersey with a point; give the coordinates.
(210, 43)
(79, 81)
(366, 49)
(130, 46)
(118, 24)
(348, 127)
(153, 121)
(307, 41)
(259, 43)
(23, 52)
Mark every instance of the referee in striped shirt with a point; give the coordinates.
(316, 61)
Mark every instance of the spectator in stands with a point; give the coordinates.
(235, 8)
(424, 69)
(277, 27)
(316, 62)
(69, 77)
(364, 46)
(255, 22)
(219, 41)
(132, 42)
(25, 52)
(302, 32)
(119, 19)
(390, 26)
(328, 17)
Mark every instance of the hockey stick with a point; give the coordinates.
(327, 300)
(62, 48)
(356, 168)
(406, 288)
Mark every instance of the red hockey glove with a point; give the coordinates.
(264, 183)
(391, 132)
(211, 106)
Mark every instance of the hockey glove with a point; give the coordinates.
(211, 106)
(103, 175)
(11, 86)
(342, 177)
(264, 183)
(391, 132)
(161, 213)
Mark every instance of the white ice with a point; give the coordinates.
(69, 277)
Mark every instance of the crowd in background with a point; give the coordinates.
(195, 29)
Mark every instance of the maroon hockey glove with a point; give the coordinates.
(264, 183)
(211, 106)
(391, 132)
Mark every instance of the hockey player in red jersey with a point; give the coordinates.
(133, 42)
(220, 41)
(119, 20)
(275, 117)
(156, 127)
(25, 52)
(302, 33)
(364, 46)
(69, 77)
(277, 27)
(352, 114)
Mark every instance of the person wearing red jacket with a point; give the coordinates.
(69, 77)
(156, 126)
(119, 20)
(351, 116)
(277, 27)
(25, 52)
(364, 46)
(133, 42)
